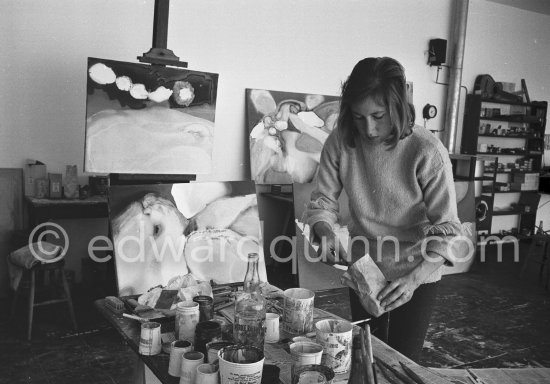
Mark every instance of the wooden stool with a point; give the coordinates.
(54, 268)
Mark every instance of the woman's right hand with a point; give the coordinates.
(331, 251)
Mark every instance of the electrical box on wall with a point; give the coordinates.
(437, 51)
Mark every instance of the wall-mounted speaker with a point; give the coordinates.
(437, 51)
(484, 213)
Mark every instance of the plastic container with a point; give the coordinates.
(187, 318)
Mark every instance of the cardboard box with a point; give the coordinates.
(56, 191)
(99, 185)
(530, 186)
(33, 170)
(526, 178)
(518, 110)
(42, 188)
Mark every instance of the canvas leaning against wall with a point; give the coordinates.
(287, 133)
(164, 231)
(144, 119)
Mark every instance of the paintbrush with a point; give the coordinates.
(368, 341)
(403, 377)
(134, 317)
(389, 375)
(360, 321)
(367, 357)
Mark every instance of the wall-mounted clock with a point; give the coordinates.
(429, 111)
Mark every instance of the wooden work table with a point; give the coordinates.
(130, 330)
(276, 354)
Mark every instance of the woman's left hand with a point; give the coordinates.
(398, 292)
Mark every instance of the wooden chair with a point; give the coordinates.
(48, 269)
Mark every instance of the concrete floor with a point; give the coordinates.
(488, 317)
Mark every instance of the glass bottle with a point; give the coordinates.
(249, 322)
(357, 374)
(540, 230)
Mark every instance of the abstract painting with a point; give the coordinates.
(143, 119)
(165, 231)
(287, 133)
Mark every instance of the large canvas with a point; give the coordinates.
(163, 231)
(143, 119)
(287, 133)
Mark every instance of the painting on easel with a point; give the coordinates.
(164, 231)
(143, 119)
(287, 133)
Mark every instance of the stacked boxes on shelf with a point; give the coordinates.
(525, 182)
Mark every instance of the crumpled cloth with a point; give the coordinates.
(366, 279)
(23, 258)
(188, 287)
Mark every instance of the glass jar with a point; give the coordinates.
(206, 307)
(187, 318)
(206, 332)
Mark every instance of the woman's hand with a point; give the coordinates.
(401, 290)
(398, 292)
(331, 250)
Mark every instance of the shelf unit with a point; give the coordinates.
(469, 168)
(514, 132)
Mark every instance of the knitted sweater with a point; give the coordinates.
(406, 192)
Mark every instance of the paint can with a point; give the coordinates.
(305, 353)
(336, 338)
(241, 364)
(189, 363)
(298, 311)
(150, 339)
(179, 348)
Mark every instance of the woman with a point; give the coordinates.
(399, 181)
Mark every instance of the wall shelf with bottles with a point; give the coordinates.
(513, 131)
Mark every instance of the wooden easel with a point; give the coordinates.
(158, 55)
